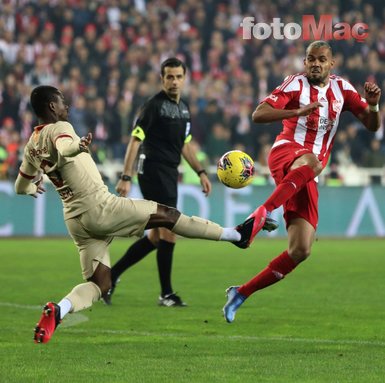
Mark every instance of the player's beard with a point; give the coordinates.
(316, 80)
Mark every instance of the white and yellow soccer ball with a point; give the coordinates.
(235, 169)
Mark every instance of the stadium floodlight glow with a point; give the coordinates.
(309, 30)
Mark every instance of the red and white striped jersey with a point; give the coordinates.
(316, 131)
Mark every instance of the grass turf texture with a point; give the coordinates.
(323, 323)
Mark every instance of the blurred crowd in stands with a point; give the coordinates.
(105, 56)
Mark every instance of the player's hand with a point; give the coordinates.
(372, 93)
(39, 187)
(206, 184)
(85, 142)
(309, 109)
(123, 188)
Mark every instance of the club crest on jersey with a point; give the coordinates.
(337, 106)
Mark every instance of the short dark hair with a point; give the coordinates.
(319, 44)
(41, 96)
(172, 62)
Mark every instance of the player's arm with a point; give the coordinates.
(148, 113)
(123, 186)
(190, 155)
(68, 146)
(370, 117)
(29, 181)
(265, 113)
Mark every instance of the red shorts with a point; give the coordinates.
(303, 204)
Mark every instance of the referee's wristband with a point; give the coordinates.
(203, 171)
(374, 108)
(125, 177)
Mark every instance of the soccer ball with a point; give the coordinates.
(235, 169)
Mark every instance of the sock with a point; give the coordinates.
(164, 259)
(230, 234)
(196, 227)
(83, 296)
(274, 272)
(293, 182)
(65, 307)
(134, 254)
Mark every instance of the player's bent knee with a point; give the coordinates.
(300, 254)
(170, 215)
(317, 168)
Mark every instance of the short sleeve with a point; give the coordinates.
(284, 93)
(27, 170)
(353, 101)
(144, 120)
(63, 129)
(278, 99)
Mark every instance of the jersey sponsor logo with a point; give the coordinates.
(325, 124)
(66, 193)
(321, 124)
(38, 152)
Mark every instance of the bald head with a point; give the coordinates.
(319, 44)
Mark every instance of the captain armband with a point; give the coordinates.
(138, 132)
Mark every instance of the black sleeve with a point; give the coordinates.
(146, 117)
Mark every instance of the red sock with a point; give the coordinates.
(293, 182)
(274, 272)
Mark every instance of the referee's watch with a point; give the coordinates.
(125, 177)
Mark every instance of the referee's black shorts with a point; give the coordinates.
(159, 183)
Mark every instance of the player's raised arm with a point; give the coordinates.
(371, 116)
(69, 147)
(265, 113)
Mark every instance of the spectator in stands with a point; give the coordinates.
(116, 40)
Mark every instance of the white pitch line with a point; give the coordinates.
(69, 321)
(235, 337)
(18, 306)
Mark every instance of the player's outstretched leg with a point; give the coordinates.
(251, 227)
(49, 320)
(234, 301)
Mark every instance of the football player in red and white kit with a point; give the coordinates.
(309, 105)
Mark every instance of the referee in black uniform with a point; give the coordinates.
(161, 135)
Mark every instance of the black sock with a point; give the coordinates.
(164, 259)
(134, 254)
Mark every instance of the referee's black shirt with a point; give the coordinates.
(166, 126)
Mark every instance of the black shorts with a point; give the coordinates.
(159, 183)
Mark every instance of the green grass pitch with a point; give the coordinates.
(323, 323)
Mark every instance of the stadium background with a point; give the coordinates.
(105, 56)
